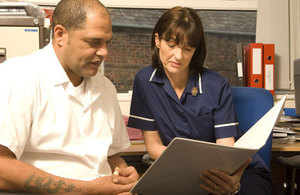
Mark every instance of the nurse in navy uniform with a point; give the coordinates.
(178, 97)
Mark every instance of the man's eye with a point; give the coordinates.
(94, 44)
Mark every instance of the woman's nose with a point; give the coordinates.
(178, 53)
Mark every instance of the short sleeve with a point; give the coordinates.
(140, 113)
(225, 121)
(120, 138)
(16, 104)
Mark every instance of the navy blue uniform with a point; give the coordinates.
(204, 112)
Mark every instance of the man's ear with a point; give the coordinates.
(60, 34)
(157, 40)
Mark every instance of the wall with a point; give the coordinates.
(201, 4)
(279, 22)
(273, 27)
(129, 50)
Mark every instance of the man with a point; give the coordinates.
(61, 128)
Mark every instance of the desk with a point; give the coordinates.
(135, 150)
(286, 147)
(134, 155)
(140, 149)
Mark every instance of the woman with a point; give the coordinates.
(178, 97)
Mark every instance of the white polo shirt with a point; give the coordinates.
(50, 124)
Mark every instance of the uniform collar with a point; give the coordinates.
(194, 81)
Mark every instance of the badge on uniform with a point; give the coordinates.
(194, 91)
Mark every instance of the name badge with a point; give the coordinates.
(194, 91)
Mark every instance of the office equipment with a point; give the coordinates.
(297, 84)
(268, 67)
(21, 28)
(293, 163)
(290, 112)
(239, 54)
(254, 53)
(2, 55)
(191, 157)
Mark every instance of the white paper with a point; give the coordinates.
(269, 77)
(256, 61)
(240, 69)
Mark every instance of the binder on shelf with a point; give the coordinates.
(254, 58)
(239, 54)
(268, 67)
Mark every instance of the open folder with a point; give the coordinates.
(178, 169)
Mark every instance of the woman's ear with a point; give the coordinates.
(157, 40)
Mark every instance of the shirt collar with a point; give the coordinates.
(157, 78)
(194, 81)
(54, 66)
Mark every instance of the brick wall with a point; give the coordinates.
(221, 53)
(129, 51)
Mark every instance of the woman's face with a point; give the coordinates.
(174, 57)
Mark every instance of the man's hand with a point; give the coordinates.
(121, 182)
(218, 182)
(125, 176)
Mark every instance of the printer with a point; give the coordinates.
(21, 29)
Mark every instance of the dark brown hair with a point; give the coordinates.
(181, 24)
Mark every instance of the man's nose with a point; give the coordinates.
(102, 51)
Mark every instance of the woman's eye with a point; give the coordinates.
(188, 48)
(171, 45)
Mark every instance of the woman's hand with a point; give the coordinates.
(218, 182)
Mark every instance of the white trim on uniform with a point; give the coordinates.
(200, 84)
(152, 74)
(226, 125)
(142, 118)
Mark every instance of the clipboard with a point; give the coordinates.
(178, 169)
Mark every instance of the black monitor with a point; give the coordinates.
(297, 85)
